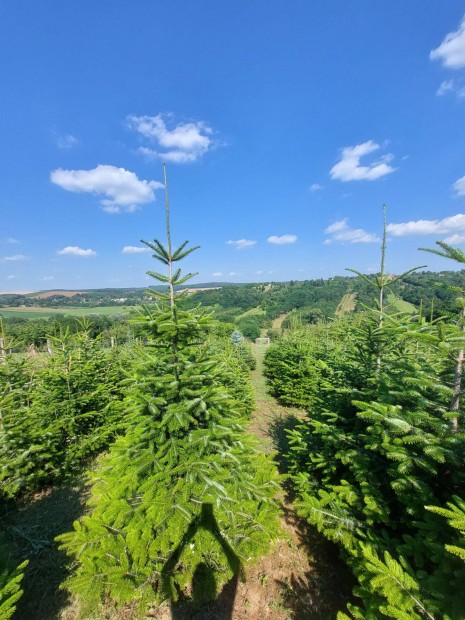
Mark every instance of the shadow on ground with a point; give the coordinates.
(30, 528)
(325, 586)
(278, 430)
(219, 609)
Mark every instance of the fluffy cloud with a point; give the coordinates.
(315, 187)
(11, 277)
(14, 258)
(349, 168)
(428, 227)
(74, 250)
(241, 244)
(282, 240)
(135, 249)
(122, 188)
(459, 186)
(341, 232)
(451, 52)
(217, 274)
(184, 143)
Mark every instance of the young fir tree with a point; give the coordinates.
(185, 486)
(447, 251)
(375, 452)
(58, 415)
(10, 589)
(19, 440)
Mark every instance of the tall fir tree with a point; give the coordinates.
(185, 486)
(377, 452)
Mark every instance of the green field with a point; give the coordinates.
(251, 312)
(400, 304)
(347, 304)
(35, 312)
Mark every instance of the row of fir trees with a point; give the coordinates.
(378, 463)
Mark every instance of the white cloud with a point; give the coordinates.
(66, 142)
(428, 227)
(446, 86)
(241, 244)
(451, 86)
(12, 240)
(282, 240)
(74, 250)
(260, 271)
(48, 278)
(15, 257)
(455, 239)
(451, 52)
(122, 188)
(349, 168)
(135, 249)
(459, 186)
(315, 187)
(217, 274)
(184, 143)
(11, 277)
(232, 273)
(336, 227)
(341, 232)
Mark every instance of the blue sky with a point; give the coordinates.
(285, 126)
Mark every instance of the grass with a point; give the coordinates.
(251, 312)
(400, 305)
(278, 321)
(347, 304)
(36, 312)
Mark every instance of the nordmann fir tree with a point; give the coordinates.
(12, 395)
(375, 454)
(10, 589)
(57, 415)
(447, 251)
(185, 486)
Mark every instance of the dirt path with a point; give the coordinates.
(269, 418)
(278, 321)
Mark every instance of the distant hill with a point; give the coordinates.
(435, 292)
(45, 294)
